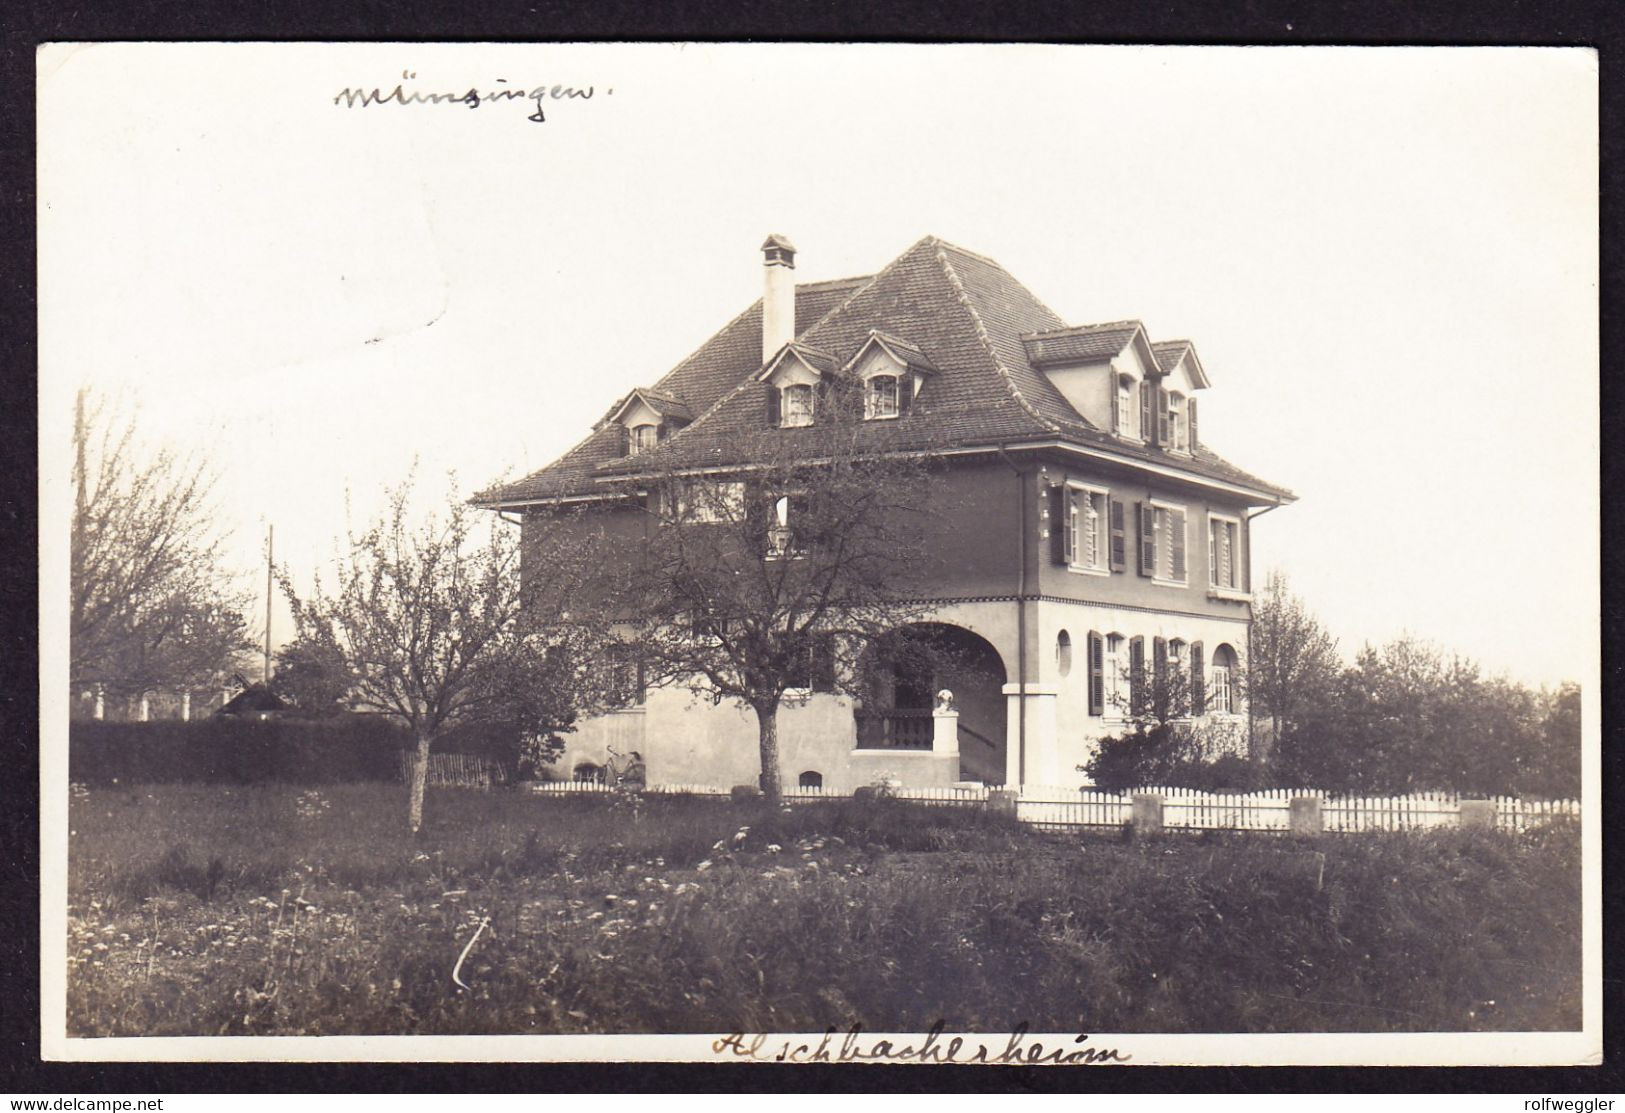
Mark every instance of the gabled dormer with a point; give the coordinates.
(646, 418)
(1182, 377)
(796, 381)
(889, 372)
(1107, 372)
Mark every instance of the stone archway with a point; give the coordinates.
(909, 666)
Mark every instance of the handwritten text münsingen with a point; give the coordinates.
(404, 96)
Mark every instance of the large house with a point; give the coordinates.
(1097, 543)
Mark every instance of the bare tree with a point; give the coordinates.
(150, 604)
(434, 631)
(757, 579)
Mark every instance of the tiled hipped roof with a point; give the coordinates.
(963, 311)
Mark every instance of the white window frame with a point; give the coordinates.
(1114, 657)
(1165, 545)
(1178, 429)
(1220, 690)
(1100, 500)
(785, 415)
(1218, 590)
(871, 408)
(781, 534)
(708, 502)
(1128, 405)
(635, 438)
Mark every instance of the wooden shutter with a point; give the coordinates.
(1243, 553)
(773, 417)
(625, 439)
(661, 429)
(1190, 420)
(822, 403)
(905, 393)
(1146, 517)
(1148, 428)
(1136, 675)
(1159, 677)
(1097, 673)
(1119, 543)
(823, 663)
(1162, 418)
(1198, 680)
(1178, 530)
(1117, 403)
(1060, 537)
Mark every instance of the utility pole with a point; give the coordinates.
(270, 537)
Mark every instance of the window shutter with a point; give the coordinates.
(661, 430)
(1060, 537)
(1162, 418)
(905, 393)
(1146, 517)
(1176, 529)
(1198, 680)
(1097, 670)
(1119, 543)
(773, 418)
(1159, 674)
(822, 405)
(1190, 421)
(823, 663)
(1136, 675)
(1117, 402)
(1242, 553)
(1148, 430)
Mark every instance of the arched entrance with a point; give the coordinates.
(903, 672)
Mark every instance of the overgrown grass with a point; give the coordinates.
(271, 910)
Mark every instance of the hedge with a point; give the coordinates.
(236, 751)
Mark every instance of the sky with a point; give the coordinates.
(1387, 259)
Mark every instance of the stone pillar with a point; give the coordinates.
(1002, 801)
(101, 702)
(1043, 757)
(186, 706)
(1478, 813)
(1147, 813)
(146, 707)
(945, 726)
(1304, 817)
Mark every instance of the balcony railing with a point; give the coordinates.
(898, 729)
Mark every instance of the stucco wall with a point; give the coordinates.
(1128, 587)
(1075, 729)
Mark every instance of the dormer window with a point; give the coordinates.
(880, 399)
(796, 406)
(642, 438)
(1124, 410)
(1178, 432)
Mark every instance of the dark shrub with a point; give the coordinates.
(344, 748)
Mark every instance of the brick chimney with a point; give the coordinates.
(778, 295)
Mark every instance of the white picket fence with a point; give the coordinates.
(1058, 808)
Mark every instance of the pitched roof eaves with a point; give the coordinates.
(987, 341)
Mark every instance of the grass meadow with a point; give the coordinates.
(279, 910)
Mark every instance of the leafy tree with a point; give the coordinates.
(312, 674)
(1292, 663)
(755, 579)
(435, 631)
(1554, 768)
(150, 605)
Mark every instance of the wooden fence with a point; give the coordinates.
(458, 770)
(1057, 808)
